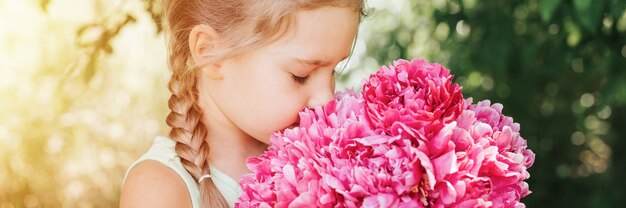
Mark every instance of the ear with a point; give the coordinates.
(202, 39)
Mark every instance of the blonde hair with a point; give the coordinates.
(242, 25)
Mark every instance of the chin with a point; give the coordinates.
(266, 139)
(263, 139)
(282, 130)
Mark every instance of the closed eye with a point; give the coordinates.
(300, 80)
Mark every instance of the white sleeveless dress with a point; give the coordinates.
(162, 151)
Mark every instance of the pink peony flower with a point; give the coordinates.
(408, 96)
(408, 140)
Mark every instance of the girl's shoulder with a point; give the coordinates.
(151, 184)
(156, 174)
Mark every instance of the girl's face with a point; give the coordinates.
(262, 91)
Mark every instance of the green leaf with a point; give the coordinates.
(589, 12)
(547, 9)
(617, 8)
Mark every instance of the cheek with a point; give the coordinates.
(272, 101)
(275, 112)
(281, 102)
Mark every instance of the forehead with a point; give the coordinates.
(325, 34)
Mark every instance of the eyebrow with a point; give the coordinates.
(316, 62)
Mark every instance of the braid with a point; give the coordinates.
(187, 128)
(246, 25)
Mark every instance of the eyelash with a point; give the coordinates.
(303, 80)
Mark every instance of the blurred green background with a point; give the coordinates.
(83, 88)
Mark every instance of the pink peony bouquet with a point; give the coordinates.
(409, 139)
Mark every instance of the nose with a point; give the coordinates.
(321, 97)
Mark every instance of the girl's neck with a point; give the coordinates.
(229, 146)
(229, 151)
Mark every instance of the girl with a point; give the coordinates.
(240, 70)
